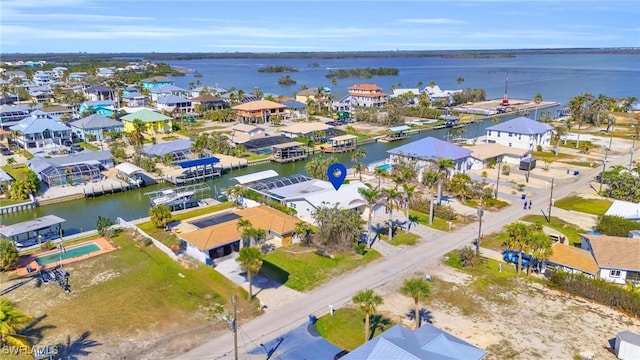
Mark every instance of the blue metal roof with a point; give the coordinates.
(168, 147)
(171, 99)
(33, 125)
(292, 104)
(400, 128)
(198, 162)
(432, 148)
(522, 125)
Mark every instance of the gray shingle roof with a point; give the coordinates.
(522, 125)
(95, 89)
(432, 148)
(171, 99)
(95, 121)
(167, 147)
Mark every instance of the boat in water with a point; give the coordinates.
(171, 198)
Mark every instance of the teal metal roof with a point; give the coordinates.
(400, 128)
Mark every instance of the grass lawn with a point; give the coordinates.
(301, 269)
(589, 206)
(586, 164)
(27, 155)
(494, 241)
(571, 231)
(86, 145)
(7, 202)
(16, 171)
(252, 156)
(345, 328)
(489, 204)
(551, 155)
(400, 238)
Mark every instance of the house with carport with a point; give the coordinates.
(259, 111)
(521, 132)
(245, 132)
(100, 107)
(94, 127)
(41, 130)
(218, 235)
(159, 92)
(155, 122)
(426, 151)
(209, 102)
(618, 258)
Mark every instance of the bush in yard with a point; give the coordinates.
(160, 215)
(445, 212)
(506, 170)
(48, 245)
(8, 255)
(103, 226)
(616, 226)
(361, 248)
(468, 257)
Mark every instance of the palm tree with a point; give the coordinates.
(12, 321)
(259, 236)
(250, 259)
(235, 193)
(443, 168)
(379, 172)
(371, 197)
(419, 290)
(391, 196)
(408, 192)
(303, 231)
(137, 132)
(430, 179)
(358, 170)
(246, 227)
(519, 234)
(368, 301)
(460, 81)
(537, 98)
(540, 244)
(160, 215)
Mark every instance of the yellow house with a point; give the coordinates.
(155, 122)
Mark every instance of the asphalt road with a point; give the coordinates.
(340, 290)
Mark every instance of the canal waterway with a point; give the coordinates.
(81, 214)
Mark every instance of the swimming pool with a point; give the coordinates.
(384, 167)
(69, 253)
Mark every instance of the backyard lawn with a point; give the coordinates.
(301, 269)
(400, 238)
(345, 329)
(438, 223)
(571, 231)
(580, 204)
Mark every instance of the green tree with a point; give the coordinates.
(137, 132)
(372, 197)
(337, 228)
(392, 197)
(408, 192)
(304, 232)
(234, 194)
(250, 259)
(430, 179)
(103, 226)
(12, 321)
(540, 245)
(160, 215)
(443, 168)
(419, 290)
(245, 226)
(519, 234)
(9, 255)
(368, 301)
(380, 173)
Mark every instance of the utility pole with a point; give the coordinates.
(498, 179)
(604, 163)
(550, 201)
(633, 146)
(480, 213)
(234, 326)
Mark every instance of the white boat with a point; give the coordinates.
(171, 197)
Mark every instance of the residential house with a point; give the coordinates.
(59, 71)
(41, 94)
(173, 103)
(209, 102)
(155, 122)
(295, 109)
(626, 209)
(435, 94)
(77, 76)
(206, 90)
(425, 343)
(486, 155)
(618, 258)
(411, 94)
(159, 92)
(135, 99)
(318, 131)
(206, 243)
(367, 95)
(246, 132)
(521, 132)
(101, 107)
(179, 149)
(58, 111)
(156, 82)
(318, 96)
(571, 259)
(263, 145)
(77, 168)
(16, 74)
(94, 127)
(98, 92)
(12, 114)
(41, 130)
(130, 89)
(41, 78)
(105, 73)
(428, 150)
(258, 111)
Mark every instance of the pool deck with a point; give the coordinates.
(30, 260)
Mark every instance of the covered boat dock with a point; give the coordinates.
(397, 133)
(340, 144)
(130, 173)
(197, 170)
(32, 232)
(289, 152)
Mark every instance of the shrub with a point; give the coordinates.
(361, 248)
(8, 255)
(48, 245)
(539, 148)
(445, 212)
(506, 170)
(616, 226)
(468, 257)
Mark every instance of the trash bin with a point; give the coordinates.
(524, 196)
(576, 173)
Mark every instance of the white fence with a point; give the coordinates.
(155, 242)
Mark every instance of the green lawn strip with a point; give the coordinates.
(438, 223)
(401, 238)
(488, 204)
(16, 171)
(551, 155)
(304, 269)
(580, 204)
(27, 155)
(571, 231)
(586, 164)
(86, 145)
(252, 156)
(146, 286)
(7, 202)
(494, 241)
(345, 328)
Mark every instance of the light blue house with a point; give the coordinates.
(429, 150)
(156, 82)
(157, 93)
(95, 125)
(425, 343)
(101, 107)
(41, 130)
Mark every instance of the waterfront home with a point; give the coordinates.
(486, 155)
(206, 243)
(173, 103)
(94, 127)
(625, 209)
(209, 102)
(101, 107)
(77, 168)
(521, 132)
(178, 149)
(258, 111)
(77, 76)
(245, 132)
(98, 92)
(58, 111)
(428, 150)
(41, 78)
(618, 258)
(367, 95)
(135, 99)
(41, 130)
(412, 95)
(159, 92)
(424, 343)
(435, 94)
(30, 232)
(571, 259)
(265, 144)
(289, 152)
(11, 114)
(15, 74)
(295, 109)
(318, 131)
(156, 82)
(154, 121)
(340, 144)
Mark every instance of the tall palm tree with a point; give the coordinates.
(391, 196)
(303, 231)
(371, 197)
(540, 244)
(460, 81)
(430, 179)
(443, 168)
(379, 172)
(419, 290)
(519, 234)
(250, 259)
(137, 133)
(12, 321)
(160, 215)
(368, 301)
(408, 192)
(245, 226)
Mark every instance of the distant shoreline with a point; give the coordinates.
(505, 53)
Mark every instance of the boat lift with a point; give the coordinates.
(200, 192)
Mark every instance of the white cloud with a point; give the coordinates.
(18, 16)
(436, 21)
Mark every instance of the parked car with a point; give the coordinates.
(76, 148)
(67, 142)
(5, 151)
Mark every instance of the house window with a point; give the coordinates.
(498, 134)
(489, 133)
(509, 144)
(614, 273)
(519, 137)
(510, 134)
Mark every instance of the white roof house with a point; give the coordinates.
(627, 345)
(625, 209)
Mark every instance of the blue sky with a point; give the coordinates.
(36, 26)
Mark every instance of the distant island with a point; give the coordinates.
(286, 80)
(277, 69)
(361, 72)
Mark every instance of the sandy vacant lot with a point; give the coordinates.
(526, 322)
